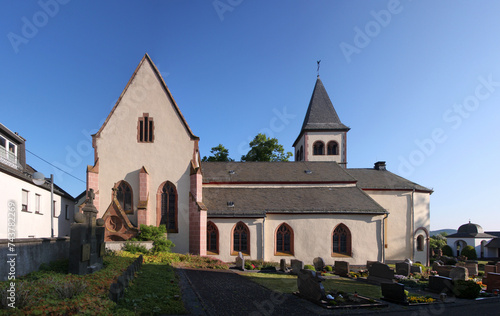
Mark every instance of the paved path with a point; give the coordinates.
(224, 292)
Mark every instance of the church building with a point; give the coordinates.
(147, 170)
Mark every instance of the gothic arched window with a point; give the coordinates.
(284, 240)
(241, 239)
(123, 192)
(168, 206)
(212, 238)
(341, 240)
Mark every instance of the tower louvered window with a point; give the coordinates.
(145, 129)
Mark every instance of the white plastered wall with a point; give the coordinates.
(168, 158)
(312, 237)
(326, 137)
(401, 237)
(30, 224)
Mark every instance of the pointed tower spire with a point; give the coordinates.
(323, 136)
(321, 114)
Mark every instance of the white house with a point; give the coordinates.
(28, 203)
(486, 244)
(147, 170)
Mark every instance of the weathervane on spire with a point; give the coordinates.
(318, 66)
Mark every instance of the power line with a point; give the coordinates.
(54, 166)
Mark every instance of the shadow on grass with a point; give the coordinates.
(288, 284)
(154, 290)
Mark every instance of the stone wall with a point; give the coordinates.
(118, 245)
(29, 253)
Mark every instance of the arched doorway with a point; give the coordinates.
(459, 246)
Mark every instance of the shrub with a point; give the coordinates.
(309, 267)
(133, 247)
(151, 232)
(447, 251)
(466, 289)
(469, 252)
(70, 289)
(328, 268)
(162, 245)
(23, 294)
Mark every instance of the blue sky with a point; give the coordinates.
(418, 82)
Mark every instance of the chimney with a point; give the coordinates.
(380, 165)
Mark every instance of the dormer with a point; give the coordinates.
(323, 137)
(12, 149)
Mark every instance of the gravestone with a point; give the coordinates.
(444, 270)
(497, 267)
(436, 263)
(380, 273)
(394, 292)
(86, 249)
(473, 268)
(416, 269)
(439, 284)
(240, 261)
(459, 273)
(403, 268)
(369, 264)
(342, 268)
(283, 265)
(297, 265)
(493, 281)
(319, 264)
(408, 261)
(309, 284)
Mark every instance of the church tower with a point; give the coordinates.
(322, 137)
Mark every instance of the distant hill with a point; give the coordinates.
(448, 231)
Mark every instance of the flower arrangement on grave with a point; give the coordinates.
(418, 299)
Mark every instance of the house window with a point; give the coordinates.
(241, 239)
(54, 209)
(333, 148)
(24, 206)
(420, 243)
(3, 143)
(212, 239)
(145, 129)
(66, 211)
(284, 240)
(301, 155)
(318, 148)
(168, 207)
(341, 240)
(124, 196)
(37, 203)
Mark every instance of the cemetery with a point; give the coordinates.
(96, 280)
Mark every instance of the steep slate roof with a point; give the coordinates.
(147, 59)
(274, 172)
(321, 114)
(259, 201)
(384, 180)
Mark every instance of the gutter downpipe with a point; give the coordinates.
(383, 237)
(412, 225)
(263, 235)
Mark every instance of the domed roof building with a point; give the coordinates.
(471, 234)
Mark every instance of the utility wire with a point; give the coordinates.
(54, 166)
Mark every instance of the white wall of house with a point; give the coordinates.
(168, 158)
(33, 222)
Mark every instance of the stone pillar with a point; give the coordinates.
(197, 216)
(143, 206)
(93, 182)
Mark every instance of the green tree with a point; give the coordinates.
(437, 241)
(219, 153)
(469, 252)
(263, 148)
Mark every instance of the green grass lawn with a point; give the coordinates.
(288, 284)
(154, 291)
